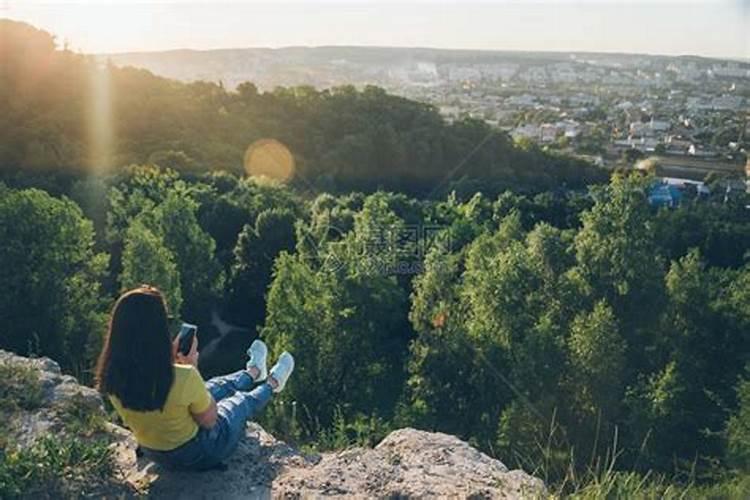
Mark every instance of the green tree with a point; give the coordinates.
(444, 363)
(492, 304)
(146, 259)
(703, 346)
(138, 189)
(617, 256)
(174, 160)
(201, 276)
(250, 275)
(738, 430)
(597, 360)
(51, 304)
(343, 315)
(341, 331)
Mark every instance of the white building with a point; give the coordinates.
(649, 129)
(569, 128)
(527, 131)
(659, 125)
(548, 133)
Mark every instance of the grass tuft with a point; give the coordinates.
(20, 387)
(54, 467)
(70, 464)
(80, 418)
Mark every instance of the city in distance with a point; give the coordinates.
(602, 105)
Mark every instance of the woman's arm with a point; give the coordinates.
(206, 419)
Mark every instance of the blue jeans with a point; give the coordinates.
(235, 405)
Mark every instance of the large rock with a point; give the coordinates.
(408, 463)
(58, 393)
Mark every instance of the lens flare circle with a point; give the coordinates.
(269, 158)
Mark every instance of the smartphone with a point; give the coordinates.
(185, 338)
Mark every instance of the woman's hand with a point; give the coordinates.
(191, 358)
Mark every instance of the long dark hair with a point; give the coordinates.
(136, 361)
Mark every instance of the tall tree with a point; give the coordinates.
(201, 276)
(597, 360)
(51, 304)
(344, 317)
(147, 260)
(250, 275)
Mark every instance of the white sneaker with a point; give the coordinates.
(258, 353)
(281, 370)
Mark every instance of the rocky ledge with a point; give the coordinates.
(408, 463)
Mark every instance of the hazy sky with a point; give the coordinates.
(703, 27)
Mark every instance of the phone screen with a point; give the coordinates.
(187, 332)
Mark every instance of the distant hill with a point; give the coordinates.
(328, 66)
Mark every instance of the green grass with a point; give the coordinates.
(359, 431)
(613, 485)
(79, 418)
(70, 464)
(736, 486)
(603, 479)
(283, 422)
(20, 387)
(53, 467)
(617, 485)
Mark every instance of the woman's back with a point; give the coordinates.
(172, 426)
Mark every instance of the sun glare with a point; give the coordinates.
(100, 120)
(96, 27)
(269, 158)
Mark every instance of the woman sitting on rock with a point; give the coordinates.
(178, 420)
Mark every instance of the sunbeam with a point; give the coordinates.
(100, 119)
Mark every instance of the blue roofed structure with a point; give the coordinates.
(664, 194)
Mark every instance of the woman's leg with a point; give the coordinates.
(234, 411)
(243, 380)
(226, 385)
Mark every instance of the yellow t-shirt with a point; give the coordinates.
(174, 426)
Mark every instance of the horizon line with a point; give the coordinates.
(745, 60)
(62, 41)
